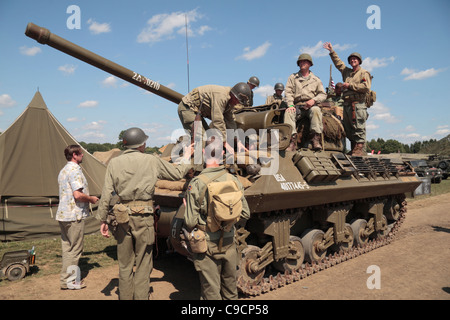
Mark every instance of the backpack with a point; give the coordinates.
(224, 202)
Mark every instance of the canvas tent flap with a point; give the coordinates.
(31, 157)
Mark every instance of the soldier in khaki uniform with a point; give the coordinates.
(277, 97)
(357, 83)
(132, 176)
(217, 268)
(216, 103)
(304, 91)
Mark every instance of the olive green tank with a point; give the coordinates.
(309, 210)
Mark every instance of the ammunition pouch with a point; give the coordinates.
(371, 97)
(121, 213)
(354, 97)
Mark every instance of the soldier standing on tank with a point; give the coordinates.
(357, 83)
(304, 91)
(277, 97)
(217, 266)
(216, 103)
(132, 177)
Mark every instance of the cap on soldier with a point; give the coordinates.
(134, 138)
(242, 92)
(254, 81)
(304, 56)
(278, 86)
(355, 54)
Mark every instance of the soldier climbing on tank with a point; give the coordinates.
(357, 83)
(304, 91)
(216, 103)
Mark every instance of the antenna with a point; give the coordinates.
(187, 51)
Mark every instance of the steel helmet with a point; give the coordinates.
(279, 86)
(242, 92)
(254, 81)
(134, 138)
(304, 56)
(355, 54)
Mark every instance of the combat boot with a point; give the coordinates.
(293, 143)
(316, 141)
(358, 150)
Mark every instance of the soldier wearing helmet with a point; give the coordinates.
(277, 97)
(216, 103)
(130, 179)
(304, 91)
(253, 83)
(356, 86)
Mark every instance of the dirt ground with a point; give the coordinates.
(414, 266)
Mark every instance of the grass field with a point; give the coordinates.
(101, 252)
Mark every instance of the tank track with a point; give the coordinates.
(273, 282)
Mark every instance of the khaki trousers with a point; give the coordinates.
(217, 271)
(72, 236)
(355, 131)
(135, 246)
(315, 118)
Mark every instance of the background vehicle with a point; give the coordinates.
(423, 170)
(16, 264)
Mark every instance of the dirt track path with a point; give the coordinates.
(414, 266)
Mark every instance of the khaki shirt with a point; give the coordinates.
(359, 81)
(196, 213)
(133, 175)
(301, 89)
(274, 98)
(213, 105)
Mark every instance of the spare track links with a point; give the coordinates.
(253, 279)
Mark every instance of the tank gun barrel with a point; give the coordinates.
(44, 36)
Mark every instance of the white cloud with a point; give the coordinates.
(443, 130)
(94, 125)
(165, 26)
(371, 63)
(110, 81)
(74, 119)
(317, 50)
(255, 53)
(420, 75)
(380, 112)
(6, 101)
(67, 69)
(88, 104)
(264, 91)
(29, 51)
(97, 28)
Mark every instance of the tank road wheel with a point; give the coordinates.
(311, 239)
(360, 237)
(15, 272)
(392, 209)
(248, 266)
(383, 232)
(347, 244)
(294, 259)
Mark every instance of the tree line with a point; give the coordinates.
(393, 146)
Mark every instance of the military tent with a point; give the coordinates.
(31, 157)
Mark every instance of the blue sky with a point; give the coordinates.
(404, 44)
